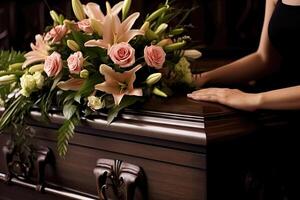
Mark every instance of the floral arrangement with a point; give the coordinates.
(97, 63)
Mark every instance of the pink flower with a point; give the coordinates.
(115, 31)
(154, 56)
(122, 54)
(73, 84)
(56, 33)
(119, 84)
(85, 26)
(39, 52)
(75, 62)
(53, 64)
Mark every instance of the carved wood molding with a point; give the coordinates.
(23, 171)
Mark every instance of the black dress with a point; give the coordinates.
(265, 165)
(284, 34)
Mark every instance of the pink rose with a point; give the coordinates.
(154, 56)
(75, 62)
(53, 64)
(85, 25)
(56, 33)
(122, 54)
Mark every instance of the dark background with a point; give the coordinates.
(223, 28)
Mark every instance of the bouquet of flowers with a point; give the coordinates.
(96, 63)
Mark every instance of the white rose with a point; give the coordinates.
(39, 79)
(95, 103)
(28, 84)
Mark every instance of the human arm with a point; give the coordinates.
(256, 65)
(280, 99)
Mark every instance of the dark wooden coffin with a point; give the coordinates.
(159, 151)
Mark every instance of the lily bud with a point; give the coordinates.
(95, 24)
(15, 66)
(158, 92)
(153, 78)
(174, 46)
(145, 27)
(54, 16)
(71, 25)
(7, 79)
(150, 35)
(108, 8)
(36, 68)
(61, 19)
(192, 53)
(164, 42)
(84, 74)
(125, 9)
(176, 31)
(161, 28)
(73, 45)
(78, 10)
(156, 14)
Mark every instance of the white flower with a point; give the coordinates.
(95, 103)
(39, 79)
(28, 84)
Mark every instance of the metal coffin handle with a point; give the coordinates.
(118, 180)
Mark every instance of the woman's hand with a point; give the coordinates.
(230, 97)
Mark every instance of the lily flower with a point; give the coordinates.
(96, 16)
(118, 84)
(115, 31)
(39, 51)
(72, 84)
(93, 10)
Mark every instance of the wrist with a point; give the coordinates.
(206, 77)
(257, 101)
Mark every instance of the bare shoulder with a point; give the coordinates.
(274, 2)
(270, 4)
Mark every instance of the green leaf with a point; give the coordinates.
(56, 80)
(11, 112)
(126, 101)
(69, 110)
(88, 87)
(65, 133)
(10, 57)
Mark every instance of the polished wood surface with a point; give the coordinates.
(188, 149)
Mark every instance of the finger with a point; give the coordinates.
(200, 97)
(205, 91)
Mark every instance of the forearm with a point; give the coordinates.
(281, 99)
(248, 68)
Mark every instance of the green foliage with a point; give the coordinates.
(74, 103)
(69, 110)
(10, 57)
(65, 133)
(88, 87)
(126, 102)
(16, 112)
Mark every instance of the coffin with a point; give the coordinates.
(167, 139)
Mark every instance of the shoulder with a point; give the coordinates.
(270, 4)
(274, 2)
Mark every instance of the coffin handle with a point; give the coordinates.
(118, 180)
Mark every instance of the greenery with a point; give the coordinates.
(95, 63)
